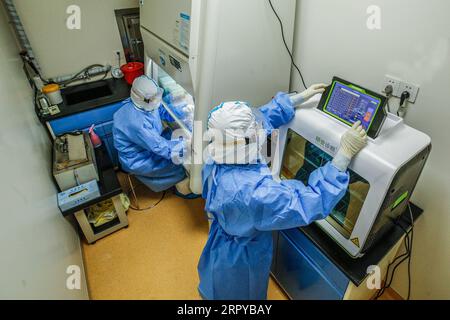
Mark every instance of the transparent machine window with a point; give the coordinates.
(301, 158)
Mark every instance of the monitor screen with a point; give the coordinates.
(350, 104)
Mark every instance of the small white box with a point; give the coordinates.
(78, 195)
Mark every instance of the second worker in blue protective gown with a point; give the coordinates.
(145, 147)
(247, 204)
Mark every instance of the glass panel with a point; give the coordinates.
(301, 158)
(180, 99)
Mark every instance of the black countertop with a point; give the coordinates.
(119, 91)
(356, 269)
(108, 185)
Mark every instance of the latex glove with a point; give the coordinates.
(187, 158)
(181, 152)
(188, 118)
(308, 94)
(352, 142)
(189, 110)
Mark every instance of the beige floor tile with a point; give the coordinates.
(156, 257)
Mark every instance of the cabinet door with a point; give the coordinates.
(83, 120)
(299, 275)
(169, 20)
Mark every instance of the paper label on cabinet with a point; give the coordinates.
(184, 29)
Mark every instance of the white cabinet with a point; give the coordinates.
(168, 20)
(220, 51)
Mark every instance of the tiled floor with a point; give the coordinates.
(156, 257)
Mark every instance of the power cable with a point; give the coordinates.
(287, 47)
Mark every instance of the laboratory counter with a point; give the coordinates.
(356, 269)
(309, 264)
(89, 96)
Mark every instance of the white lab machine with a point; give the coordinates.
(218, 51)
(382, 176)
(74, 160)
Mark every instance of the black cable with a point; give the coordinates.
(387, 104)
(403, 257)
(150, 207)
(387, 283)
(410, 255)
(287, 47)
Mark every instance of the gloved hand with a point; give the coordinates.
(181, 152)
(188, 118)
(187, 159)
(308, 94)
(351, 143)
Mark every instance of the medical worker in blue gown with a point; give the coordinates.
(145, 148)
(245, 202)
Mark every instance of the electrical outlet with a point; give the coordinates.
(117, 57)
(399, 86)
(411, 88)
(394, 82)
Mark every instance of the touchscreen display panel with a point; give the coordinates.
(350, 104)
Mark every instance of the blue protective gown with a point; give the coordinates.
(145, 148)
(246, 205)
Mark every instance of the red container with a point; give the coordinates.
(132, 70)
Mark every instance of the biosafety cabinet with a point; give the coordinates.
(219, 51)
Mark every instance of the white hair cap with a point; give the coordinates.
(146, 94)
(235, 135)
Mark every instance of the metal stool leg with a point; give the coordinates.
(132, 191)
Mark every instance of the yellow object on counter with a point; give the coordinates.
(49, 88)
(53, 93)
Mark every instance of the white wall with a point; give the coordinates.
(413, 44)
(36, 243)
(61, 51)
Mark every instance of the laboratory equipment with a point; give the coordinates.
(74, 160)
(349, 103)
(382, 176)
(218, 51)
(78, 195)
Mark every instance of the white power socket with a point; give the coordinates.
(392, 81)
(411, 88)
(399, 86)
